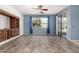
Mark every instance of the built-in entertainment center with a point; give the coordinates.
(9, 25)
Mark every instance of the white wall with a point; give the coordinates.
(4, 22)
(12, 10)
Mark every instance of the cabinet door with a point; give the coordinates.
(3, 35)
(14, 22)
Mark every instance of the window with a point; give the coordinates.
(39, 22)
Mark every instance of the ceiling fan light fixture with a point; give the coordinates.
(40, 8)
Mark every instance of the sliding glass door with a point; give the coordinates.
(59, 25)
(62, 25)
(39, 25)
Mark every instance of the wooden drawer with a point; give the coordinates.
(3, 35)
(14, 32)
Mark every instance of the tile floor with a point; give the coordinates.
(39, 44)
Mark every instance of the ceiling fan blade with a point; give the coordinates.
(45, 9)
(36, 8)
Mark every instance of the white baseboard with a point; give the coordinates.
(1, 43)
(75, 41)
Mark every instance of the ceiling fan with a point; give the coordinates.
(41, 8)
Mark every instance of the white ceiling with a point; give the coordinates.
(28, 9)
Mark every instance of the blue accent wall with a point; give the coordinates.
(26, 24)
(52, 23)
(73, 22)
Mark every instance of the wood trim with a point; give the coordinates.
(7, 13)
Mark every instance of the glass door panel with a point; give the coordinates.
(39, 25)
(59, 25)
(64, 26)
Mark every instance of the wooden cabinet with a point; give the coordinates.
(14, 27)
(14, 22)
(3, 35)
(14, 32)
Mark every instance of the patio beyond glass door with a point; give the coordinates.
(39, 25)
